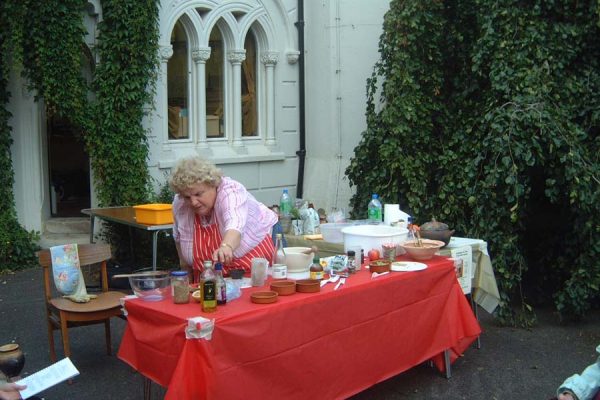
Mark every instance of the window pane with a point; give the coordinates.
(177, 85)
(214, 86)
(249, 108)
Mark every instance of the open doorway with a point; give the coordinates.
(69, 168)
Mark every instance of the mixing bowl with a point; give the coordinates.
(150, 287)
(424, 252)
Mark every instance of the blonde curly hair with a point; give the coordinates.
(193, 170)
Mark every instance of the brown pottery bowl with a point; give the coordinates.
(264, 297)
(12, 359)
(284, 288)
(424, 252)
(380, 266)
(308, 285)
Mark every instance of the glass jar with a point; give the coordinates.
(351, 261)
(180, 287)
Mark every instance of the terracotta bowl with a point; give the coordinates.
(284, 288)
(380, 266)
(426, 252)
(308, 285)
(264, 297)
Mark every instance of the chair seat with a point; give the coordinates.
(104, 301)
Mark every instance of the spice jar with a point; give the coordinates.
(351, 261)
(180, 287)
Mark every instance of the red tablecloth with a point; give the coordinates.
(327, 345)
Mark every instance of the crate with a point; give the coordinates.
(154, 214)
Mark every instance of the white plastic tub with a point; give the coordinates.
(332, 232)
(372, 236)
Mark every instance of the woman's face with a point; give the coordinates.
(201, 197)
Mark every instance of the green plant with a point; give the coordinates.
(489, 119)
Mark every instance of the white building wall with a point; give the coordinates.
(342, 39)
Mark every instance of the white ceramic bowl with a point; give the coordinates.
(372, 236)
(296, 260)
(150, 288)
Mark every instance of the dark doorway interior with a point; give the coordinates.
(69, 169)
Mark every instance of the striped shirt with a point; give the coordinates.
(234, 208)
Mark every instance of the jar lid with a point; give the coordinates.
(351, 253)
(179, 273)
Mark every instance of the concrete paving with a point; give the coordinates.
(526, 364)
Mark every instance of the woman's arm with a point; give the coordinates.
(231, 240)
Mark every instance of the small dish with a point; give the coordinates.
(379, 266)
(264, 297)
(407, 266)
(284, 288)
(308, 285)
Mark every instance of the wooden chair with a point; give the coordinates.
(64, 313)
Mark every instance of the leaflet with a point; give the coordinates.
(56, 373)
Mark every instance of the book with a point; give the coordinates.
(53, 374)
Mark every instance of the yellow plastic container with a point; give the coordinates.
(154, 214)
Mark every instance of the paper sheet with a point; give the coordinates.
(466, 275)
(56, 373)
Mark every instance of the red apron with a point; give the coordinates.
(208, 238)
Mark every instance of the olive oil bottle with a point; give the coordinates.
(208, 283)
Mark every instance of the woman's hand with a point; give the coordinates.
(10, 391)
(223, 254)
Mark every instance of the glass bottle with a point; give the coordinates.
(411, 232)
(279, 257)
(316, 269)
(209, 288)
(221, 286)
(180, 287)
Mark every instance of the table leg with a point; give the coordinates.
(447, 364)
(154, 249)
(475, 308)
(147, 388)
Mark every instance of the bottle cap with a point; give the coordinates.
(218, 266)
(375, 196)
(285, 190)
(179, 273)
(351, 253)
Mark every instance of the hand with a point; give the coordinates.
(10, 391)
(223, 254)
(566, 396)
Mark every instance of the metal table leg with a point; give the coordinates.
(92, 220)
(447, 363)
(154, 249)
(147, 388)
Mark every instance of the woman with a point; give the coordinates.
(216, 218)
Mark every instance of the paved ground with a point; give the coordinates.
(512, 363)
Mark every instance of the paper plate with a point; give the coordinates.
(406, 266)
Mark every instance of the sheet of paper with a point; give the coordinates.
(56, 373)
(466, 275)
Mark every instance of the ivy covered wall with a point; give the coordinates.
(486, 115)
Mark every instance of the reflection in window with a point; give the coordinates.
(249, 114)
(214, 86)
(177, 85)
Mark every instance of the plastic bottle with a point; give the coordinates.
(285, 204)
(221, 286)
(375, 209)
(209, 288)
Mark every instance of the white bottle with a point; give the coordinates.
(375, 210)
(285, 204)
